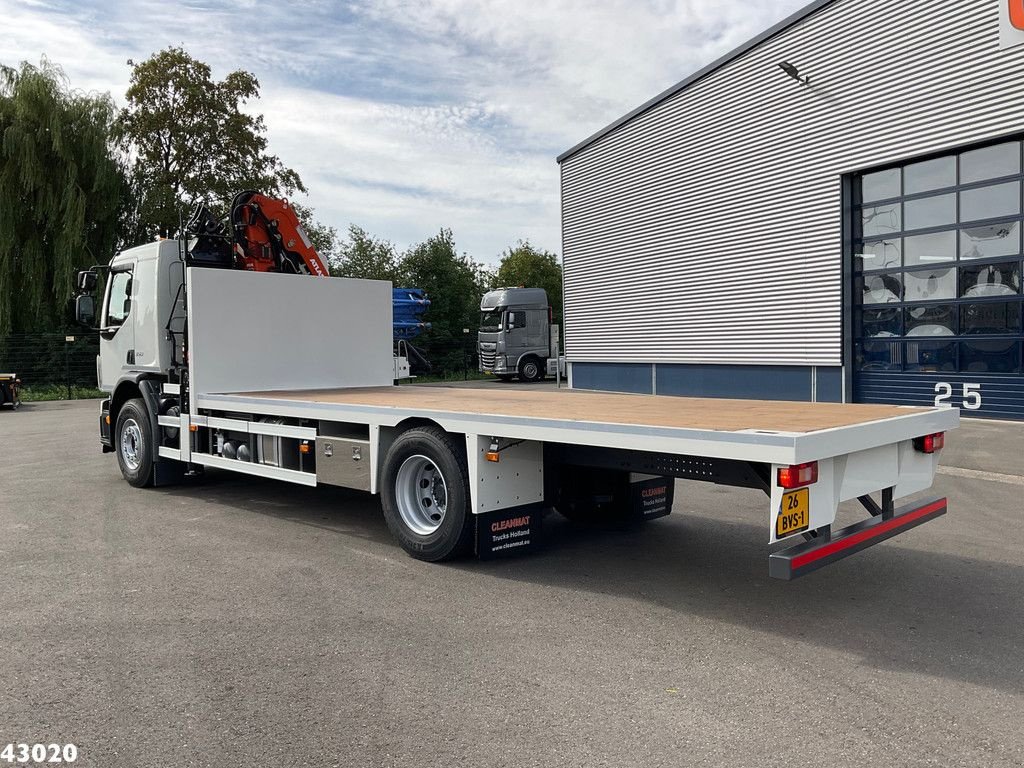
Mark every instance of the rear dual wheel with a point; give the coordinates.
(425, 494)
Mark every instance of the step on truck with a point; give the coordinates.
(290, 378)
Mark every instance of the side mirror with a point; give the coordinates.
(87, 279)
(85, 310)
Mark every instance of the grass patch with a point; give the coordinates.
(43, 392)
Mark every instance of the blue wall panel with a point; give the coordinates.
(613, 377)
(830, 385)
(760, 382)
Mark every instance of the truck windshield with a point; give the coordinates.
(490, 322)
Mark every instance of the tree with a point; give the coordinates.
(363, 255)
(526, 266)
(454, 284)
(62, 192)
(323, 237)
(192, 142)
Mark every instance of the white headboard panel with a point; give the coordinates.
(253, 331)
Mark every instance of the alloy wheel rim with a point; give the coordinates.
(421, 494)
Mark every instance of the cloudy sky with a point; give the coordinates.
(404, 117)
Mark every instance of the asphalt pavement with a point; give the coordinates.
(234, 621)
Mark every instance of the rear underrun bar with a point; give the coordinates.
(788, 564)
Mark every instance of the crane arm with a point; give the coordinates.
(268, 237)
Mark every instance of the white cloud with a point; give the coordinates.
(407, 116)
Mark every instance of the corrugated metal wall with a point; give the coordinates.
(708, 229)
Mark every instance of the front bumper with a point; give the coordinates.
(493, 363)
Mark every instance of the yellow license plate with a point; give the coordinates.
(795, 515)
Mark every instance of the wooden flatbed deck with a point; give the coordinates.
(605, 408)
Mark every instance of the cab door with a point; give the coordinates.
(516, 337)
(117, 327)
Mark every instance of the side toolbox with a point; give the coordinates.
(343, 461)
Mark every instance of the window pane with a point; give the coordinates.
(990, 356)
(880, 220)
(931, 320)
(880, 254)
(929, 175)
(978, 281)
(936, 211)
(881, 289)
(930, 356)
(990, 317)
(929, 284)
(879, 323)
(989, 241)
(120, 298)
(990, 162)
(989, 202)
(922, 249)
(882, 185)
(880, 356)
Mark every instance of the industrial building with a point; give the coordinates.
(832, 212)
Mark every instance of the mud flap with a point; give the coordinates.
(505, 532)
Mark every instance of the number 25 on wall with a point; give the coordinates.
(971, 395)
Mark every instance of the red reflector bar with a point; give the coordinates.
(930, 443)
(810, 556)
(798, 475)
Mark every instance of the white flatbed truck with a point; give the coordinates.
(291, 378)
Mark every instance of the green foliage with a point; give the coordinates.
(365, 256)
(454, 284)
(62, 188)
(57, 392)
(193, 142)
(525, 266)
(323, 237)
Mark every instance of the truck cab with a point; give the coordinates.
(142, 314)
(516, 337)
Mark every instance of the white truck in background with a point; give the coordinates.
(290, 378)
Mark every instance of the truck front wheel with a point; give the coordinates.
(425, 495)
(530, 369)
(133, 441)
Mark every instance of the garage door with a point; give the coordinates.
(937, 282)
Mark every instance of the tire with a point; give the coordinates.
(530, 369)
(133, 443)
(425, 495)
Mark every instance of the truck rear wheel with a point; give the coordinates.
(425, 495)
(530, 369)
(133, 442)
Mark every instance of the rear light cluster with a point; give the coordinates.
(798, 475)
(930, 443)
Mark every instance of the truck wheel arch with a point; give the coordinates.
(125, 390)
(388, 435)
(138, 385)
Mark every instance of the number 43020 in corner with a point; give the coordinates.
(970, 395)
(39, 753)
